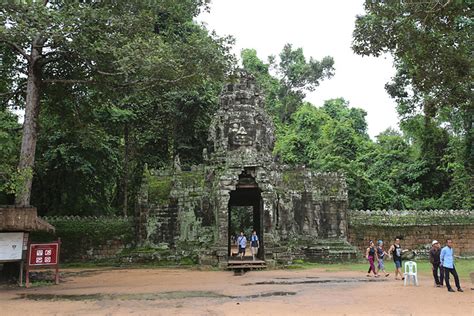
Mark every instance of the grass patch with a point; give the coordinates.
(463, 266)
(41, 283)
(90, 265)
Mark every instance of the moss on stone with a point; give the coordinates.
(413, 218)
(159, 189)
(293, 180)
(192, 178)
(334, 189)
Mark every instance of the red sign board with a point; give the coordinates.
(43, 254)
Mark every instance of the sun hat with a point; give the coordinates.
(434, 242)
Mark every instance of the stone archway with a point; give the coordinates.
(246, 201)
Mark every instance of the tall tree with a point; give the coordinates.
(432, 45)
(116, 45)
(295, 76)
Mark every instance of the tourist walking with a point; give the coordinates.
(380, 257)
(254, 244)
(370, 254)
(242, 243)
(435, 260)
(447, 261)
(396, 252)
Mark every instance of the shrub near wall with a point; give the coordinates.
(416, 228)
(89, 238)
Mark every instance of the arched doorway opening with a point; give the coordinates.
(245, 214)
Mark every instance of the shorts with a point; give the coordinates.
(242, 250)
(381, 265)
(398, 263)
(254, 250)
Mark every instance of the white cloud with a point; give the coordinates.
(321, 28)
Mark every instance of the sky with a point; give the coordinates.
(321, 28)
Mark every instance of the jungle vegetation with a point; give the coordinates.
(109, 86)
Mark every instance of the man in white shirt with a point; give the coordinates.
(242, 242)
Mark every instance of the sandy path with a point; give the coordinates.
(187, 292)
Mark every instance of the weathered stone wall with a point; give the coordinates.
(177, 207)
(310, 203)
(417, 229)
(301, 210)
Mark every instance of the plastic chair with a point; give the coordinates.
(410, 271)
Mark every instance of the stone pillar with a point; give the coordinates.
(142, 212)
(223, 218)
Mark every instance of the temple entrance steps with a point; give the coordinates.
(245, 264)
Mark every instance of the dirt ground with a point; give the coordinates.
(274, 292)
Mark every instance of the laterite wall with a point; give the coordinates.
(416, 229)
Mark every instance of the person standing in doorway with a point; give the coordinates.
(254, 244)
(370, 254)
(435, 252)
(242, 243)
(447, 261)
(396, 251)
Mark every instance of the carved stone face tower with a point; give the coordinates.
(241, 127)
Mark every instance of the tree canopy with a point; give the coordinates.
(109, 86)
(111, 79)
(432, 44)
(420, 166)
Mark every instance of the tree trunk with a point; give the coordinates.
(125, 171)
(30, 125)
(469, 148)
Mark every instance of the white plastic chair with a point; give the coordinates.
(410, 271)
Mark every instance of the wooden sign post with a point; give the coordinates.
(42, 256)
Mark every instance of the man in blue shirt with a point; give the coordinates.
(447, 261)
(254, 244)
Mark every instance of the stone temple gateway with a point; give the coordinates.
(298, 213)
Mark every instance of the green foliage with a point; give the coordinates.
(123, 83)
(159, 189)
(419, 168)
(10, 179)
(396, 218)
(285, 93)
(430, 163)
(79, 163)
(241, 219)
(299, 74)
(129, 82)
(330, 138)
(79, 234)
(427, 39)
(463, 266)
(431, 42)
